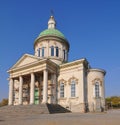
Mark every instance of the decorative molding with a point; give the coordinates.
(62, 98)
(97, 80)
(62, 81)
(73, 78)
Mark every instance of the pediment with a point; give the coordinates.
(25, 60)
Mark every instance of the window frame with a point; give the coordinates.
(43, 51)
(38, 52)
(97, 90)
(64, 53)
(62, 90)
(52, 50)
(57, 51)
(73, 88)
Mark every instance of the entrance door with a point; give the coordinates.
(36, 101)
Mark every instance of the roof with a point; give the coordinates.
(53, 32)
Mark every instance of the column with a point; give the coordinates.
(20, 90)
(11, 83)
(45, 86)
(32, 88)
(55, 88)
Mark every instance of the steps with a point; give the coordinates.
(32, 109)
(55, 108)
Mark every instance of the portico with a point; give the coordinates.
(34, 87)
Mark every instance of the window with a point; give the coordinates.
(57, 51)
(42, 51)
(64, 54)
(39, 52)
(61, 89)
(52, 50)
(73, 88)
(97, 91)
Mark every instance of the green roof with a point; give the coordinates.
(53, 32)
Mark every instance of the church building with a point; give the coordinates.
(48, 78)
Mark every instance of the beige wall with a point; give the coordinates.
(47, 50)
(73, 72)
(95, 75)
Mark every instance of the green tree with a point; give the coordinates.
(113, 101)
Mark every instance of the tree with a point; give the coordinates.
(113, 101)
(4, 102)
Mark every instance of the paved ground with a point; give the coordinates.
(110, 118)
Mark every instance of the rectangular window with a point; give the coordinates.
(39, 52)
(64, 54)
(42, 51)
(97, 93)
(73, 89)
(61, 89)
(57, 51)
(52, 50)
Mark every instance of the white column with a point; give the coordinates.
(11, 83)
(20, 90)
(55, 88)
(32, 88)
(45, 86)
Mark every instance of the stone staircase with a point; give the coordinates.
(32, 109)
(55, 108)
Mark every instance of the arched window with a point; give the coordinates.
(73, 88)
(39, 52)
(61, 89)
(57, 51)
(42, 51)
(97, 90)
(52, 50)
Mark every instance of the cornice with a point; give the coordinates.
(76, 62)
(59, 39)
(97, 70)
(43, 62)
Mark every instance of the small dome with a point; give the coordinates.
(51, 32)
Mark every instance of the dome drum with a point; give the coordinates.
(52, 44)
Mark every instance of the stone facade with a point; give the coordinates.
(47, 77)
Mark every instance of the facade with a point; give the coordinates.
(48, 77)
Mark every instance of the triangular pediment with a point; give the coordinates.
(25, 60)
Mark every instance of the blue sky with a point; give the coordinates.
(92, 28)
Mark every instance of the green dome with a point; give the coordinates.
(53, 32)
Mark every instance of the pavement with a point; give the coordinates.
(111, 117)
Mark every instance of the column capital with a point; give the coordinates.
(46, 69)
